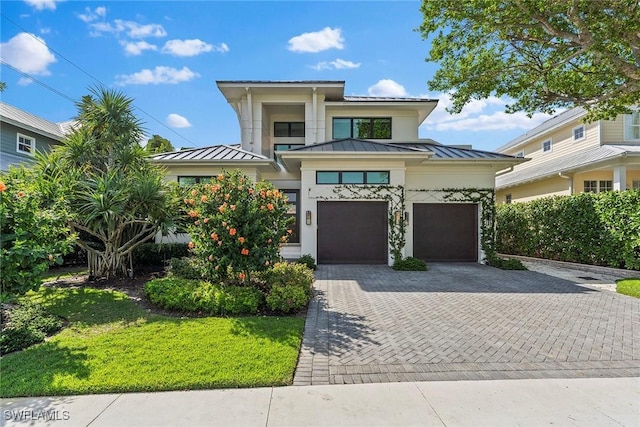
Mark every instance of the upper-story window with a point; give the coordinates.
(362, 127)
(285, 147)
(520, 154)
(578, 133)
(632, 126)
(546, 146)
(26, 144)
(288, 129)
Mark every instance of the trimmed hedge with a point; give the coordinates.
(588, 228)
(410, 264)
(24, 325)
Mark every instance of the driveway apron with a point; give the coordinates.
(463, 321)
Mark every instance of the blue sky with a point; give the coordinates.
(167, 56)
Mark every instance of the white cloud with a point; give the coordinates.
(90, 16)
(338, 64)
(191, 47)
(159, 75)
(131, 28)
(28, 53)
(327, 38)
(177, 121)
(387, 87)
(24, 81)
(479, 114)
(136, 48)
(42, 4)
(45, 30)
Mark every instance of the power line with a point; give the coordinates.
(57, 92)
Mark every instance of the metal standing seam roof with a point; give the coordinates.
(545, 126)
(357, 98)
(16, 116)
(565, 164)
(445, 152)
(212, 153)
(354, 145)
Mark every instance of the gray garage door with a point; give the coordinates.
(445, 231)
(352, 232)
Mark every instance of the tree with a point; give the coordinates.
(116, 199)
(33, 231)
(158, 144)
(237, 225)
(545, 54)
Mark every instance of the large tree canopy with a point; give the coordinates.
(545, 54)
(157, 144)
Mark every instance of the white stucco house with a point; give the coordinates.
(360, 182)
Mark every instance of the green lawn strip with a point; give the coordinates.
(128, 349)
(63, 273)
(629, 287)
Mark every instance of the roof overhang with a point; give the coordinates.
(268, 165)
(234, 90)
(423, 107)
(30, 128)
(292, 160)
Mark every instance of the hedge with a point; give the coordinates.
(588, 228)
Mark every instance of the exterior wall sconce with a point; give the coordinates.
(308, 217)
(406, 218)
(397, 217)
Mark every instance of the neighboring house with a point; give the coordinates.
(570, 157)
(23, 134)
(310, 140)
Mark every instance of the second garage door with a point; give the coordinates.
(352, 232)
(445, 232)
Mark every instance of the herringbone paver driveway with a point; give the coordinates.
(463, 321)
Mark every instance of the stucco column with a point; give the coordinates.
(620, 178)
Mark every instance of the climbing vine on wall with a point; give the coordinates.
(395, 196)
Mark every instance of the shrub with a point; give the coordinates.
(237, 226)
(506, 263)
(158, 253)
(287, 299)
(307, 260)
(24, 325)
(410, 264)
(290, 274)
(200, 296)
(588, 228)
(186, 268)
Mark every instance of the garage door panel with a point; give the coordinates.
(352, 232)
(445, 232)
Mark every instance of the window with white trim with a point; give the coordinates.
(635, 185)
(632, 126)
(579, 133)
(508, 199)
(26, 144)
(546, 146)
(595, 186)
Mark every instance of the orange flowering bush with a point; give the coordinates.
(237, 225)
(33, 233)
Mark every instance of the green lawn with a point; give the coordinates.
(629, 287)
(112, 345)
(63, 273)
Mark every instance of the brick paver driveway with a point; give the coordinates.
(463, 321)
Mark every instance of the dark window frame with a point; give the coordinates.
(289, 146)
(199, 179)
(295, 236)
(371, 125)
(364, 176)
(289, 130)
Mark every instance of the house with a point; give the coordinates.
(569, 156)
(361, 184)
(22, 134)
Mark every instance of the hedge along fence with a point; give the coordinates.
(588, 228)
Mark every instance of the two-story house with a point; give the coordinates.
(569, 156)
(354, 170)
(22, 134)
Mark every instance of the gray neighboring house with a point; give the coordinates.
(22, 134)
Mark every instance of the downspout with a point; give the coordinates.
(314, 119)
(250, 116)
(570, 182)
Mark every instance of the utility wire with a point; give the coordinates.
(57, 92)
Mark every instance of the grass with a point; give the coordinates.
(629, 287)
(111, 345)
(63, 273)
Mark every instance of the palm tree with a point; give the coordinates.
(118, 200)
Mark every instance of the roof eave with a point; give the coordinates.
(30, 128)
(238, 163)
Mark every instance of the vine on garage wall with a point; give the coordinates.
(486, 199)
(395, 196)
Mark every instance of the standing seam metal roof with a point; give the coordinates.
(455, 153)
(215, 152)
(33, 122)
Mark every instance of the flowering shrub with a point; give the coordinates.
(33, 233)
(236, 226)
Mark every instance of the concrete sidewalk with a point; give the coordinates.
(561, 402)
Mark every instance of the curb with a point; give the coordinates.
(627, 274)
